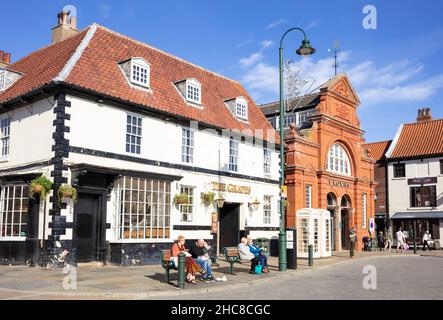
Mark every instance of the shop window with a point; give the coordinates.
(267, 209)
(144, 208)
(424, 196)
(186, 210)
(14, 204)
(399, 170)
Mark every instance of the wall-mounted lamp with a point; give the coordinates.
(220, 201)
(254, 204)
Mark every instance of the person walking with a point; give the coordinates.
(401, 239)
(388, 242)
(381, 240)
(352, 237)
(426, 239)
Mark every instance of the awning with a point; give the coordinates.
(418, 215)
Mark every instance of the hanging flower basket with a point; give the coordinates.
(207, 198)
(66, 191)
(181, 198)
(40, 186)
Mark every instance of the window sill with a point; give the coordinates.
(421, 208)
(128, 241)
(13, 239)
(2, 160)
(401, 178)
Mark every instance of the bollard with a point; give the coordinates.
(310, 256)
(181, 270)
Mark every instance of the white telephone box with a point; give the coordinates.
(313, 227)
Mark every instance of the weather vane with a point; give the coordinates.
(336, 51)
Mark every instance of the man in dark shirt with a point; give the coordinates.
(198, 250)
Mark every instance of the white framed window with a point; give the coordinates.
(338, 160)
(241, 108)
(187, 145)
(186, 210)
(316, 235)
(308, 196)
(302, 117)
(288, 119)
(14, 205)
(267, 209)
(364, 211)
(133, 134)
(140, 72)
(144, 207)
(2, 80)
(267, 158)
(5, 130)
(193, 91)
(233, 155)
(303, 235)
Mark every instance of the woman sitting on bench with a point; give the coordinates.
(258, 253)
(191, 267)
(245, 254)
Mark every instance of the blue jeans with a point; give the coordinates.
(263, 260)
(205, 265)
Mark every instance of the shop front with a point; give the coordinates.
(415, 224)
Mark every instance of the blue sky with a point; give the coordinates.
(395, 69)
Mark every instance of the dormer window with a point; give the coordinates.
(8, 78)
(239, 107)
(193, 91)
(137, 72)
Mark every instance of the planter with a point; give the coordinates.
(181, 199)
(208, 198)
(67, 192)
(41, 186)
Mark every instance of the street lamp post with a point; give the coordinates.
(304, 50)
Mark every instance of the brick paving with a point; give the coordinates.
(139, 282)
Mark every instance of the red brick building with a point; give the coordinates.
(327, 165)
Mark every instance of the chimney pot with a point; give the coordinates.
(424, 115)
(67, 26)
(5, 59)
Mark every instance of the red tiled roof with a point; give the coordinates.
(41, 66)
(378, 149)
(97, 70)
(419, 139)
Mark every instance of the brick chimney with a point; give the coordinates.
(67, 26)
(5, 59)
(424, 115)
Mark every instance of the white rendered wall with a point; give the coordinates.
(30, 135)
(399, 193)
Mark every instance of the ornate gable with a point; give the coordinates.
(341, 86)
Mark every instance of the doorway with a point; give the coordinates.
(229, 225)
(345, 231)
(87, 235)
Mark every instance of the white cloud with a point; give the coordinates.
(262, 77)
(255, 57)
(314, 24)
(275, 23)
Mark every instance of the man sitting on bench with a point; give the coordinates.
(199, 251)
(245, 254)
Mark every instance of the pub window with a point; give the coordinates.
(308, 196)
(14, 211)
(233, 155)
(399, 170)
(186, 210)
(441, 166)
(133, 134)
(267, 209)
(187, 145)
(144, 208)
(267, 161)
(424, 196)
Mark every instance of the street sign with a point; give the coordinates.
(371, 224)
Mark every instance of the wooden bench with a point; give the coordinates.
(167, 264)
(232, 256)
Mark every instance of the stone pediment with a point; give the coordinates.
(341, 86)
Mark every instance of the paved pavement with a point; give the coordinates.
(394, 277)
(145, 282)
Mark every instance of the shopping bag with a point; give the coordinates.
(405, 246)
(258, 269)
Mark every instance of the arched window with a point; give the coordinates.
(338, 160)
